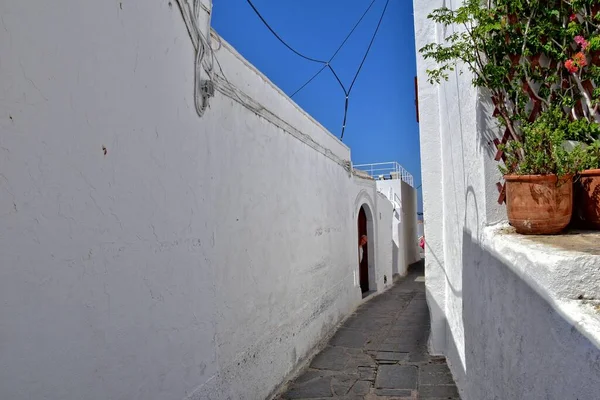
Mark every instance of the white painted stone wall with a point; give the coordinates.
(385, 243)
(409, 218)
(501, 337)
(379, 225)
(404, 226)
(148, 253)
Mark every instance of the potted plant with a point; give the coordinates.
(539, 176)
(587, 188)
(536, 60)
(583, 104)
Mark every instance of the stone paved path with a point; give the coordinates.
(380, 352)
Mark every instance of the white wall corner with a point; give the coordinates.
(431, 172)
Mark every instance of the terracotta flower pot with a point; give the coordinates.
(588, 198)
(539, 204)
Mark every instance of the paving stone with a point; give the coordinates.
(308, 375)
(398, 347)
(367, 373)
(366, 323)
(405, 340)
(349, 338)
(355, 352)
(435, 374)
(373, 345)
(408, 331)
(419, 356)
(391, 356)
(434, 392)
(341, 384)
(332, 358)
(360, 360)
(413, 321)
(314, 389)
(380, 353)
(396, 377)
(394, 392)
(361, 387)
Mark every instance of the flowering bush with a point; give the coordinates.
(535, 57)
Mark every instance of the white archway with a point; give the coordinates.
(364, 201)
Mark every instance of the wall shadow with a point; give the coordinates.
(516, 345)
(487, 125)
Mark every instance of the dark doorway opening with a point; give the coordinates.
(364, 262)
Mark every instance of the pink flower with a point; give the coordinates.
(571, 66)
(573, 17)
(580, 40)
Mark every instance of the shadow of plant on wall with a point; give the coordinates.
(488, 127)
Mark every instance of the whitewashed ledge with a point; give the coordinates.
(564, 270)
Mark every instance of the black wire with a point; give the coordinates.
(370, 44)
(335, 54)
(338, 79)
(352, 31)
(345, 115)
(280, 39)
(309, 81)
(326, 63)
(360, 67)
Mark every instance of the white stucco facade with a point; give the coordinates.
(404, 223)
(148, 253)
(504, 335)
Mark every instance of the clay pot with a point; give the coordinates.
(539, 204)
(588, 198)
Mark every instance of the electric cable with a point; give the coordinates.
(326, 64)
(279, 37)
(360, 68)
(336, 52)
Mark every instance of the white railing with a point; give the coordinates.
(387, 170)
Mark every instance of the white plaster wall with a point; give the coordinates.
(389, 188)
(392, 189)
(459, 179)
(365, 194)
(409, 222)
(405, 251)
(431, 177)
(385, 244)
(197, 257)
(519, 344)
(399, 257)
(498, 334)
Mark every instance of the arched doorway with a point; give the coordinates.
(363, 269)
(364, 262)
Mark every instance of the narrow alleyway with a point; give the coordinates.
(380, 352)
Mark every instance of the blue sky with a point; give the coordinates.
(381, 123)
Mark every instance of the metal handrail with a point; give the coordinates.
(391, 169)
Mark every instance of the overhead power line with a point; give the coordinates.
(279, 37)
(336, 52)
(360, 67)
(370, 44)
(327, 64)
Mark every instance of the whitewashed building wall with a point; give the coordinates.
(504, 310)
(148, 253)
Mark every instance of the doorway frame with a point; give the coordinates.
(364, 200)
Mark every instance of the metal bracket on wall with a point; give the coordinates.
(207, 89)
